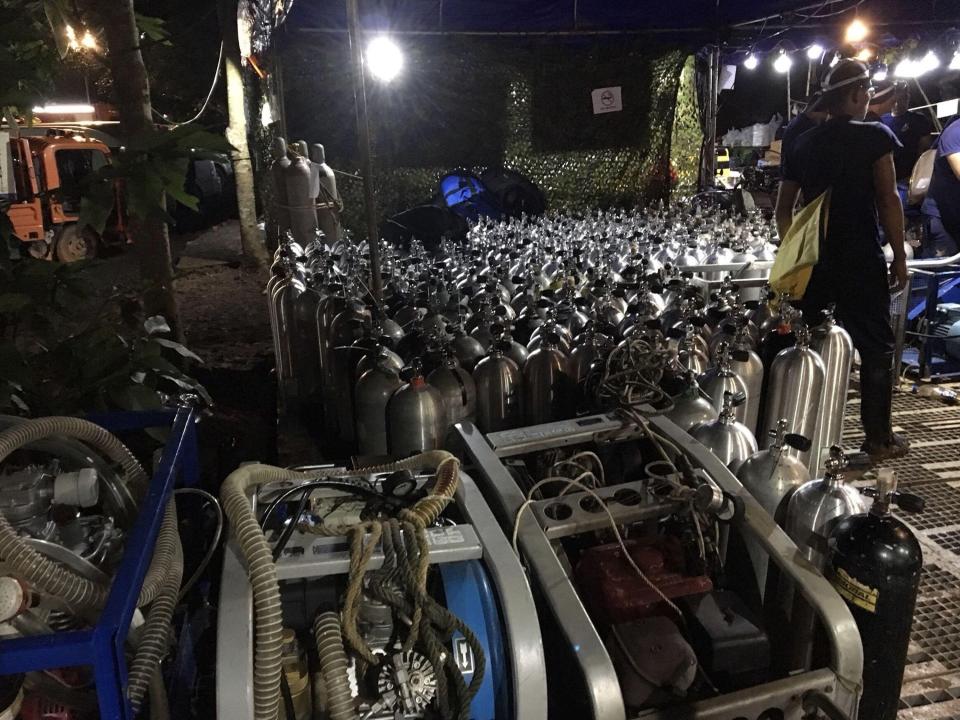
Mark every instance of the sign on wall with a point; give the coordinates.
(608, 99)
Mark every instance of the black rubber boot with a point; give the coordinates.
(876, 400)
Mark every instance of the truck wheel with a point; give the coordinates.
(72, 244)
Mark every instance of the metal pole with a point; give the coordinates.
(713, 86)
(788, 95)
(363, 141)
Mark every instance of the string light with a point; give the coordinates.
(908, 68)
(751, 62)
(89, 41)
(783, 63)
(865, 55)
(881, 74)
(857, 31)
(815, 51)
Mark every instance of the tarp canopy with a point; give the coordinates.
(538, 15)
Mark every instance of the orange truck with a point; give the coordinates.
(41, 171)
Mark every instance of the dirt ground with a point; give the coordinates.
(224, 316)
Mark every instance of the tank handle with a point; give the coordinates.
(797, 441)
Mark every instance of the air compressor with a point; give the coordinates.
(874, 563)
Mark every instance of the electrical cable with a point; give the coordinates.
(206, 102)
(291, 525)
(214, 543)
(613, 525)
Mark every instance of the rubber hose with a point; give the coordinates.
(51, 577)
(153, 643)
(333, 666)
(48, 576)
(268, 614)
(168, 542)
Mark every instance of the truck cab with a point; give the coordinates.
(40, 178)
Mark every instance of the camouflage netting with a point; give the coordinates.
(481, 103)
(687, 138)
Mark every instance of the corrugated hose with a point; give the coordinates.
(333, 666)
(262, 570)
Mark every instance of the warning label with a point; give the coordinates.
(463, 654)
(854, 591)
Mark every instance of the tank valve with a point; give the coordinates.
(885, 494)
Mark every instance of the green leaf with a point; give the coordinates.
(140, 397)
(156, 325)
(177, 347)
(153, 27)
(14, 302)
(159, 363)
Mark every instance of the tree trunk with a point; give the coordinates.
(131, 88)
(251, 239)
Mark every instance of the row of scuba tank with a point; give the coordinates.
(516, 328)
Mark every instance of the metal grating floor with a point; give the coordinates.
(931, 688)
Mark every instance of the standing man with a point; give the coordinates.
(941, 208)
(854, 161)
(912, 129)
(807, 120)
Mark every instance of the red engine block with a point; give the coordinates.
(614, 591)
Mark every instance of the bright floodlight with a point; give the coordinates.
(89, 41)
(384, 58)
(783, 63)
(857, 31)
(815, 51)
(66, 109)
(908, 68)
(751, 62)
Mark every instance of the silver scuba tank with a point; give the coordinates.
(721, 379)
(499, 391)
(771, 476)
(835, 347)
(416, 418)
(815, 508)
(690, 407)
(457, 388)
(727, 438)
(795, 391)
(749, 367)
(373, 391)
(548, 387)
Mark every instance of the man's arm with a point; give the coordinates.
(954, 162)
(890, 211)
(786, 201)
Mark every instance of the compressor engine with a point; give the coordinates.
(384, 580)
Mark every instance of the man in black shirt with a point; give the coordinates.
(912, 129)
(807, 120)
(854, 161)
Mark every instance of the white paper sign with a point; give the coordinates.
(606, 100)
(948, 108)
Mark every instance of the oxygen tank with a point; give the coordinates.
(875, 563)
(344, 330)
(771, 476)
(814, 510)
(328, 200)
(499, 391)
(468, 350)
(548, 387)
(727, 438)
(457, 388)
(719, 380)
(278, 178)
(303, 212)
(373, 392)
(836, 350)
(795, 391)
(749, 368)
(690, 407)
(416, 419)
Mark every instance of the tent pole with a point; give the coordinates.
(363, 140)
